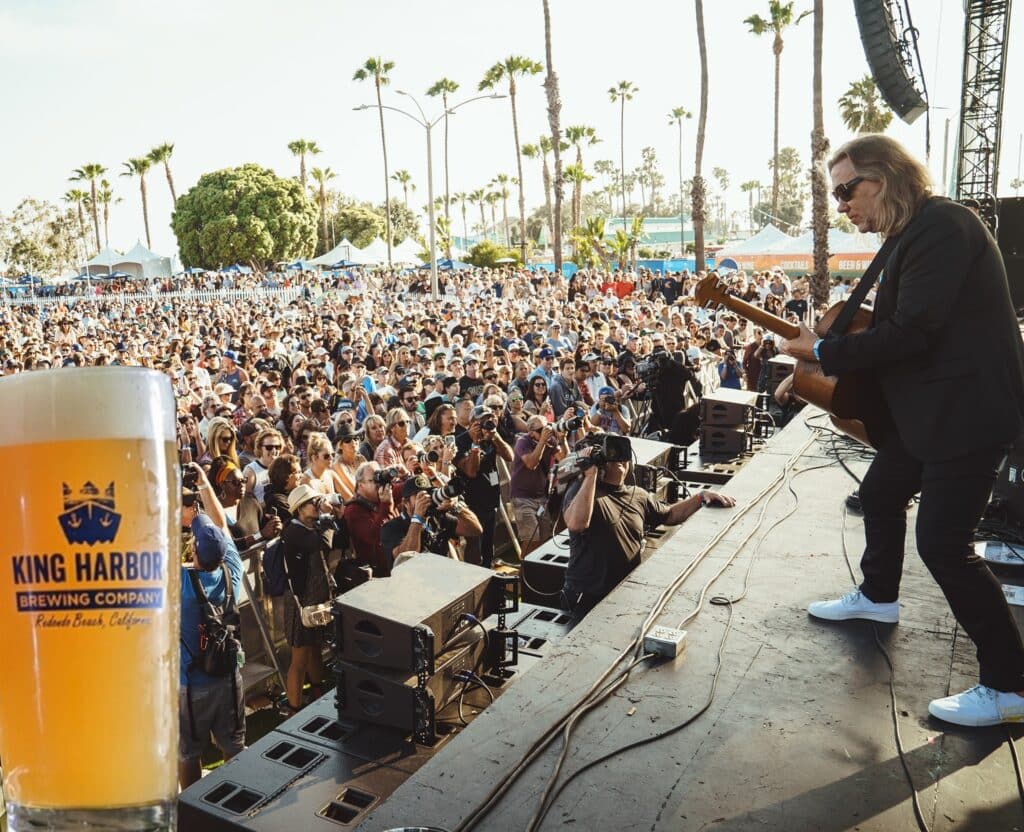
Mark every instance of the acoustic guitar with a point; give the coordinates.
(854, 401)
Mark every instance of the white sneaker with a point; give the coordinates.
(979, 706)
(855, 605)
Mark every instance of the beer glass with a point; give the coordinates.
(89, 599)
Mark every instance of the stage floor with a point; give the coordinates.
(800, 733)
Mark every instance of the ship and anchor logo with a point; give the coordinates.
(89, 515)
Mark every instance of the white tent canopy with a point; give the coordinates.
(408, 251)
(105, 259)
(144, 264)
(375, 252)
(761, 242)
(342, 251)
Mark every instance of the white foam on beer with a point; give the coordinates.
(86, 403)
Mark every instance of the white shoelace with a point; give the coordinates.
(851, 597)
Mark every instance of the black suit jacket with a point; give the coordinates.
(944, 345)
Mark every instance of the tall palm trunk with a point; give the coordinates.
(819, 190)
(504, 215)
(698, 179)
(145, 209)
(465, 228)
(554, 114)
(106, 223)
(577, 195)
(170, 182)
(95, 212)
(81, 219)
(682, 213)
(447, 193)
(546, 171)
(387, 188)
(323, 213)
(777, 49)
(519, 173)
(302, 170)
(622, 156)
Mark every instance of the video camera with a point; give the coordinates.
(650, 369)
(607, 447)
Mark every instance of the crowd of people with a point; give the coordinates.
(360, 421)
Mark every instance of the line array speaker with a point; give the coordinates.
(883, 49)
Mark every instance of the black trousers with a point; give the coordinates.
(954, 494)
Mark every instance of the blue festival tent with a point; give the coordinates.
(237, 268)
(448, 265)
(29, 280)
(344, 264)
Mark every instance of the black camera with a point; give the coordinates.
(189, 477)
(453, 489)
(385, 476)
(611, 447)
(568, 425)
(489, 425)
(433, 457)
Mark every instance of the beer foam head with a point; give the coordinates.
(86, 403)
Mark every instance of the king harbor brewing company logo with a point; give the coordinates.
(89, 515)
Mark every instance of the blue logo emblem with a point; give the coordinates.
(89, 516)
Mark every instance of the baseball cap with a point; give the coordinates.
(606, 391)
(547, 353)
(224, 389)
(344, 404)
(211, 544)
(231, 354)
(414, 485)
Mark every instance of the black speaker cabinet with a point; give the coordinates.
(884, 51)
(404, 621)
(726, 406)
(724, 441)
(539, 628)
(1011, 244)
(543, 572)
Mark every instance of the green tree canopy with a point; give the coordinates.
(486, 254)
(244, 214)
(359, 224)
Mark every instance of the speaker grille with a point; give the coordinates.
(888, 57)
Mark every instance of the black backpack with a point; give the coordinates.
(219, 645)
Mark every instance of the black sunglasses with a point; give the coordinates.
(844, 191)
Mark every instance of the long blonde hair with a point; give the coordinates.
(905, 182)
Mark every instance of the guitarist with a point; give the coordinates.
(946, 351)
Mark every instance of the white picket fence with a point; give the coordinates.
(124, 298)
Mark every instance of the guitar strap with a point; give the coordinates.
(845, 316)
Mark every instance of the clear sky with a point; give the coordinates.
(233, 81)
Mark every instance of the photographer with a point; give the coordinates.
(729, 371)
(765, 353)
(607, 521)
(430, 520)
(365, 515)
(608, 414)
(305, 547)
(533, 455)
(477, 452)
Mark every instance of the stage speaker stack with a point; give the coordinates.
(780, 368)
(885, 47)
(405, 645)
(727, 422)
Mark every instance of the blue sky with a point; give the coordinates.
(231, 82)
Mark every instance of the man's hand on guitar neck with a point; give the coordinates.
(800, 347)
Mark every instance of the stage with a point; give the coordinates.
(799, 735)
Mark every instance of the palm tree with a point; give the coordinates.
(502, 181)
(554, 114)
(676, 117)
(780, 17)
(819, 190)
(479, 196)
(576, 136)
(444, 88)
(404, 178)
(514, 66)
(161, 155)
(576, 174)
(493, 198)
(300, 147)
(622, 93)
(105, 196)
(697, 192)
(722, 175)
(139, 167)
(1017, 184)
(322, 176)
(378, 69)
(862, 109)
(462, 197)
(90, 173)
(748, 188)
(78, 198)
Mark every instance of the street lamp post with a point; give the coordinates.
(428, 126)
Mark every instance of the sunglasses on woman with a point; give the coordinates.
(844, 191)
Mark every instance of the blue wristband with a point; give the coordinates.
(417, 519)
(816, 348)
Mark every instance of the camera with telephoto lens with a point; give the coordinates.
(431, 457)
(385, 476)
(568, 425)
(455, 488)
(488, 425)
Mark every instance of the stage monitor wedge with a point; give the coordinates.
(885, 49)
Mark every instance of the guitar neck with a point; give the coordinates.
(761, 317)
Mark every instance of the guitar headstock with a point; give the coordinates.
(711, 291)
